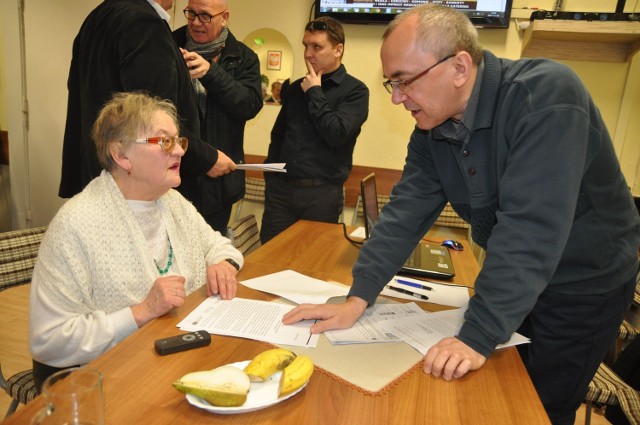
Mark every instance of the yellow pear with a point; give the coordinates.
(226, 386)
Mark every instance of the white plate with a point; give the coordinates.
(261, 395)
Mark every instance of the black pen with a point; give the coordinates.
(404, 291)
(415, 285)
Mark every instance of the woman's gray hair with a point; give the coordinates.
(441, 31)
(123, 118)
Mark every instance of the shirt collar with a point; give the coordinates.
(459, 130)
(336, 76)
(163, 13)
(472, 104)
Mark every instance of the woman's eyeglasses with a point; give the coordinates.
(323, 26)
(167, 143)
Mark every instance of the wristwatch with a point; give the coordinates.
(233, 263)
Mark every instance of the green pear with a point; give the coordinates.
(226, 386)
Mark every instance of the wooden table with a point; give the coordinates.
(137, 381)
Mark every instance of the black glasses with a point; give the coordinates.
(401, 85)
(167, 143)
(205, 18)
(323, 26)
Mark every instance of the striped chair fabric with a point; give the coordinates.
(607, 388)
(20, 388)
(254, 192)
(18, 253)
(627, 332)
(245, 235)
(448, 217)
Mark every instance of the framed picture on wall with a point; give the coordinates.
(274, 60)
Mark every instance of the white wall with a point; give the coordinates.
(52, 25)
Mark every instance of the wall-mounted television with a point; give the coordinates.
(483, 13)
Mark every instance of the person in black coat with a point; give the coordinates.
(124, 46)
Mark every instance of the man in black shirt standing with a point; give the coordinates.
(315, 134)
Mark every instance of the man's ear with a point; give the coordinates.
(339, 50)
(463, 68)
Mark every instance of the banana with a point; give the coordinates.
(224, 386)
(295, 375)
(267, 363)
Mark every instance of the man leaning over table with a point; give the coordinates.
(521, 152)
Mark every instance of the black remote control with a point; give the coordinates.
(174, 344)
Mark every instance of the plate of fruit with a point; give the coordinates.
(271, 377)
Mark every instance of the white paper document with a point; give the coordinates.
(438, 293)
(277, 167)
(427, 329)
(259, 320)
(367, 329)
(296, 287)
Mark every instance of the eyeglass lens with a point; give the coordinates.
(401, 85)
(205, 18)
(168, 143)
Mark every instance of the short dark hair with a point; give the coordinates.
(441, 30)
(331, 26)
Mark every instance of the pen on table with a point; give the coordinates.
(404, 291)
(415, 285)
(311, 333)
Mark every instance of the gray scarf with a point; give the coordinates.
(208, 51)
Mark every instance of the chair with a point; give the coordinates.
(245, 235)
(607, 388)
(18, 253)
(448, 217)
(359, 213)
(254, 192)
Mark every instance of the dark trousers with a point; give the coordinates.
(287, 202)
(570, 336)
(42, 371)
(219, 220)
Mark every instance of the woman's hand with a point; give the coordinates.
(167, 292)
(221, 279)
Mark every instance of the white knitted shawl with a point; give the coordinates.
(95, 257)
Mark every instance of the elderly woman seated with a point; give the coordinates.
(128, 248)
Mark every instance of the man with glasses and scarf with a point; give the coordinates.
(314, 134)
(226, 77)
(521, 152)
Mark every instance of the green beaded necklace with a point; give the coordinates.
(169, 262)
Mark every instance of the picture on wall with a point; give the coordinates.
(274, 60)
